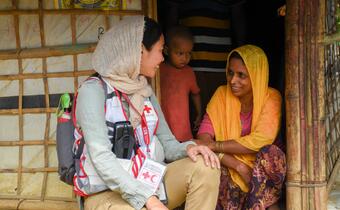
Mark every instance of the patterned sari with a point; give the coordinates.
(268, 163)
(265, 185)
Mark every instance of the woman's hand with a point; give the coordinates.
(153, 203)
(209, 157)
(245, 172)
(205, 139)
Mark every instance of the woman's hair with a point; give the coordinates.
(152, 33)
(235, 55)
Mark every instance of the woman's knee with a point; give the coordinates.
(272, 160)
(270, 150)
(208, 175)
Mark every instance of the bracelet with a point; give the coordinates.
(219, 146)
(220, 156)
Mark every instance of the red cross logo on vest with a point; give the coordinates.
(147, 109)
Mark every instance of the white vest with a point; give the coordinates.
(86, 180)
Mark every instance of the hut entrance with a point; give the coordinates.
(44, 51)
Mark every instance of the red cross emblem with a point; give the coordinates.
(146, 175)
(147, 109)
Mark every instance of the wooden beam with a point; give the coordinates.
(29, 170)
(44, 52)
(47, 75)
(27, 143)
(27, 111)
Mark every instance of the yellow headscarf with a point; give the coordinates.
(224, 110)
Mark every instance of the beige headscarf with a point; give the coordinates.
(117, 58)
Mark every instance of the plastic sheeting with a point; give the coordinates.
(57, 30)
(7, 40)
(29, 31)
(26, 139)
(89, 28)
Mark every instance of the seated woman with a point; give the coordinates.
(243, 117)
(125, 56)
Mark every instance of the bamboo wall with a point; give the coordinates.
(44, 51)
(305, 112)
(332, 84)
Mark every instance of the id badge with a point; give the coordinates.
(151, 174)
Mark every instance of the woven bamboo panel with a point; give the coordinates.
(44, 52)
(332, 84)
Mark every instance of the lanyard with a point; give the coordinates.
(144, 125)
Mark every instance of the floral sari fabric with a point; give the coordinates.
(265, 185)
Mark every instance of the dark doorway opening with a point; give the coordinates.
(265, 28)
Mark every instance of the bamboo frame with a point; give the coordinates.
(333, 176)
(19, 201)
(18, 46)
(29, 170)
(46, 75)
(306, 175)
(28, 143)
(47, 101)
(332, 81)
(44, 52)
(27, 111)
(333, 113)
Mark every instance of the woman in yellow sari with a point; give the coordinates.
(241, 124)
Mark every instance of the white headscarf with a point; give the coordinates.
(118, 57)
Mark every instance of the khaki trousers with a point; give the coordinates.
(185, 180)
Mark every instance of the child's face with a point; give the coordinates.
(179, 52)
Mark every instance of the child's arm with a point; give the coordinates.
(196, 98)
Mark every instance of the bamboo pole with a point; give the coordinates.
(46, 75)
(292, 95)
(72, 11)
(47, 100)
(27, 111)
(29, 170)
(18, 47)
(306, 180)
(74, 42)
(44, 52)
(27, 143)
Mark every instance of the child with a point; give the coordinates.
(178, 81)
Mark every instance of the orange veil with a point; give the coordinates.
(224, 110)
